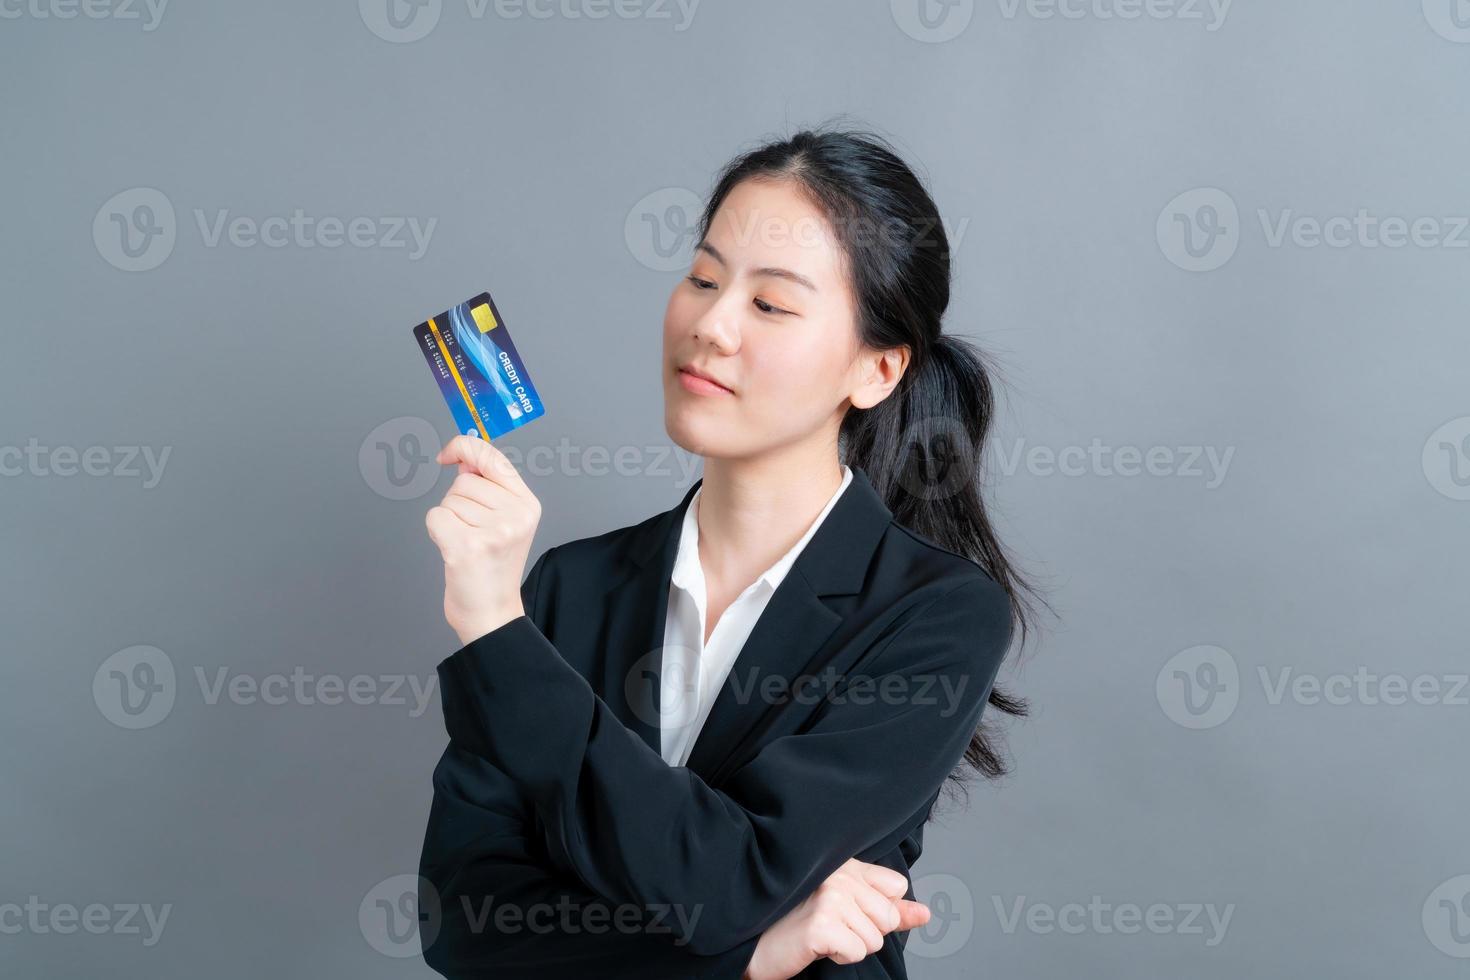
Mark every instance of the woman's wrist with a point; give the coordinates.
(488, 623)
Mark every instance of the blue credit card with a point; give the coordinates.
(478, 369)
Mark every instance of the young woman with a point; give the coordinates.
(717, 734)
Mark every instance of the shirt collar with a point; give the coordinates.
(688, 574)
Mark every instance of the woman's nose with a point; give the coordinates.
(716, 328)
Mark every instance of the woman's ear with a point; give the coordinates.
(880, 372)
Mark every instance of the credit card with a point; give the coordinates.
(480, 374)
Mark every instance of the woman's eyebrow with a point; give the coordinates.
(769, 270)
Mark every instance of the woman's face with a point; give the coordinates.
(767, 312)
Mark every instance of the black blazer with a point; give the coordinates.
(561, 844)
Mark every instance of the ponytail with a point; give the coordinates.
(922, 448)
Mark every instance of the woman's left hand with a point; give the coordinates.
(483, 527)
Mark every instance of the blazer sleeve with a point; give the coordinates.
(481, 850)
(737, 858)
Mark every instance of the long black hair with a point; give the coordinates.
(922, 445)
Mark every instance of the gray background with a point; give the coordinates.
(1334, 377)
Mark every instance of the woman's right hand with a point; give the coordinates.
(845, 920)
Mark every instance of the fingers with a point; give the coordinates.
(863, 904)
(845, 946)
(879, 908)
(852, 937)
(472, 513)
(473, 487)
(886, 880)
(444, 526)
(484, 459)
(911, 915)
(861, 922)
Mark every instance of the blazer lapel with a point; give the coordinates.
(635, 611)
(787, 636)
(796, 622)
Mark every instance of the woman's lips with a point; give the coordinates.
(700, 386)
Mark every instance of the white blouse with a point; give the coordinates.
(692, 673)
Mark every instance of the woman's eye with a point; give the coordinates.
(760, 304)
